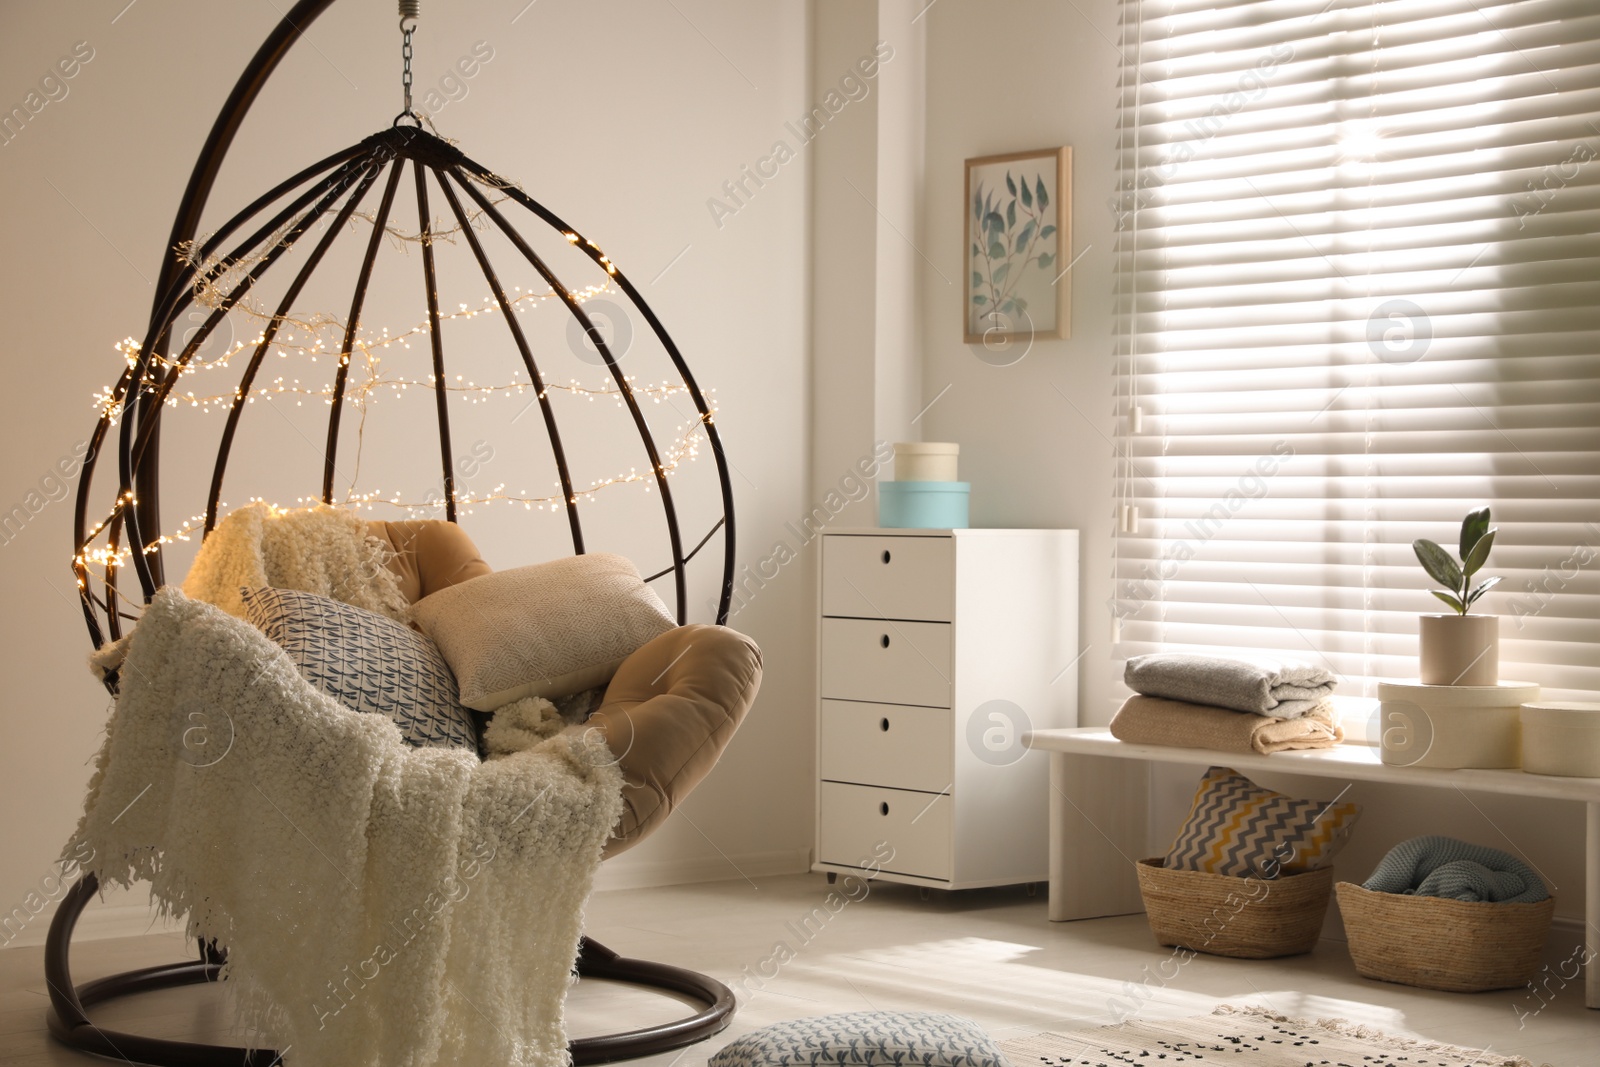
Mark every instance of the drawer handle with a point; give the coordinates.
(884, 640)
(885, 725)
(884, 807)
(886, 555)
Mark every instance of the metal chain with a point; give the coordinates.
(405, 55)
(410, 11)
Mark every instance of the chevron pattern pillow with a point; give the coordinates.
(367, 663)
(548, 630)
(1239, 829)
(866, 1038)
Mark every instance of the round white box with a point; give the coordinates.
(1561, 738)
(926, 461)
(1452, 726)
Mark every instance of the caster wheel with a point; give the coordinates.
(923, 892)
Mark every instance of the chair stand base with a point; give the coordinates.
(69, 1021)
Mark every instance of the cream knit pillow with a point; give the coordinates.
(547, 630)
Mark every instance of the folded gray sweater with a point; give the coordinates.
(1264, 685)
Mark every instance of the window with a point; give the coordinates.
(1358, 294)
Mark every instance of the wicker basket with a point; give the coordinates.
(1250, 918)
(1458, 946)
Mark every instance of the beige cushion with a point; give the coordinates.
(427, 555)
(668, 714)
(546, 630)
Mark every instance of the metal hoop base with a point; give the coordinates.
(70, 1024)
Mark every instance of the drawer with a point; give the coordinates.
(860, 824)
(887, 662)
(887, 745)
(888, 577)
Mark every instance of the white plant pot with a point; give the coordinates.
(1460, 650)
(926, 461)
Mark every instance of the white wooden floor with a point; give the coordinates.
(988, 955)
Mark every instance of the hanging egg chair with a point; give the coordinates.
(228, 309)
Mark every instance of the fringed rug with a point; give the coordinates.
(1243, 1037)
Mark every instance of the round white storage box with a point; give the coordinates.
(926, 461)
(1451, 726)
(1562, 738)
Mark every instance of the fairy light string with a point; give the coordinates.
(684, 448)
(320, 335)
(311, 337)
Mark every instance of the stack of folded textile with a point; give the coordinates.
(1245, 704)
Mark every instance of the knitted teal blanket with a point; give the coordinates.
(1444, 867)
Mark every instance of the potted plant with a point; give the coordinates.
(1460, 648)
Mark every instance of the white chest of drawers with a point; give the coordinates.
(939, 649)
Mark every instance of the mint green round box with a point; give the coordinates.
(923, 505)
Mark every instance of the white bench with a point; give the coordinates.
(1087, 804)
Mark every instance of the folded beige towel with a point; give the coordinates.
(1157, 721)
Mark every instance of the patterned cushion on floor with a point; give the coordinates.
(367, 663)
(1239, 829)
(866, 1038)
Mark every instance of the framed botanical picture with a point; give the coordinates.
(1019, 242)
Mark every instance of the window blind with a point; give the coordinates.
(1357, 295)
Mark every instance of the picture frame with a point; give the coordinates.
(1018, 240)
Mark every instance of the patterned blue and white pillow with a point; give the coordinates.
(866, 1038)
(367, 663)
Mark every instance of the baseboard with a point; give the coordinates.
(1571, 925)
(99, 922)
(647, 873)
(104, 921)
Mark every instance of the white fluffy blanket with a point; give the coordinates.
(323, 550)
(380, 904)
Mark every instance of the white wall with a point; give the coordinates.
(626, 118)
(623, 117)
(1036, 436)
